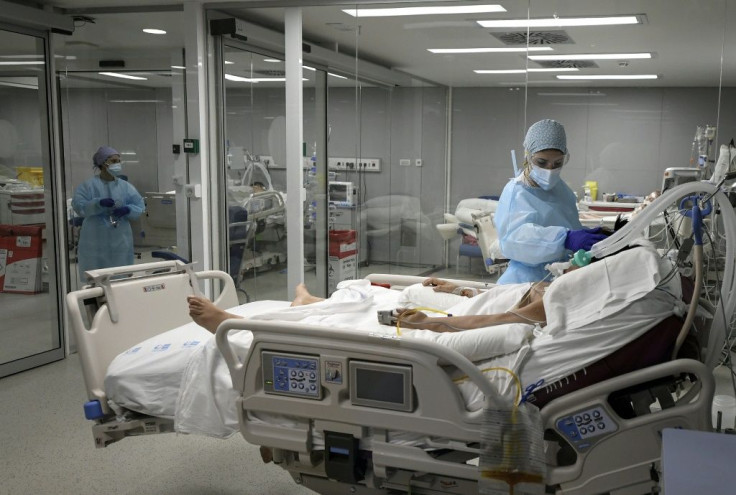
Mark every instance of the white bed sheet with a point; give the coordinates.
(205, 401)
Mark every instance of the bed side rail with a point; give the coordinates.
(621, 451)
(436, 409)
(402, 281)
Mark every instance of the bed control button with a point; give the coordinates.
(301, 386)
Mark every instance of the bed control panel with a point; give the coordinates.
(295, 375)
(585, 427)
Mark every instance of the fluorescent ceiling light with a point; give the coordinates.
(23, 62)
(597, 93)
(521, 71)
(491, 50)
(135, 101)
(122, 76)
(560, 22)
(402, 11)
(178, 67)
(271, 60)
(154, 31)
(611, 76)
(231, 77)
(227, 62)
(309, 68)
(336, 75)
(592, 56)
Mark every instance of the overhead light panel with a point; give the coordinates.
(609, 76)
(227, 62)
(154, 31)
(404, 11)
(122, 76)
(23, 62)
(592, 56)
(522, 71)
(336, 75)
(491, 50)
(552, 22)
(232, 77)
(272, 60)
(178, 67)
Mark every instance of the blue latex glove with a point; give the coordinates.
(107, 202)
(121, 211)
(583, 238)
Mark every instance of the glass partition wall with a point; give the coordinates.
(451, 130)
(29, 273)
(129, 98)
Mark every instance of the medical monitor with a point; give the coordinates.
(341, 193)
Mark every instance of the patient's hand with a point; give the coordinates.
(439, 285)
(411, 318)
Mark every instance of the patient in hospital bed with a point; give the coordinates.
(589, 313)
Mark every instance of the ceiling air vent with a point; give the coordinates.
(564, 64)
(270, 73)
(535, 38)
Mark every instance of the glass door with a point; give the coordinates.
(29, 299)
(254, 173)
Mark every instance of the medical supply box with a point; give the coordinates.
(22, 207)
(21, 253)
(343, 260)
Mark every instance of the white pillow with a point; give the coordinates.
(418, 295)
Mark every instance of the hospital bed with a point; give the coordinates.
(342, 439)
(262, 214)
(473, 222)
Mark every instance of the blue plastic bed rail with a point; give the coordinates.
(93, 410)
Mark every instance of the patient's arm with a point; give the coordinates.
(440, 285)
(533, 312)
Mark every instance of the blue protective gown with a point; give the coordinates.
(532, 226)
(102, 245)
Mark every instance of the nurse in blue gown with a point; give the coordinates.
(107, 203)
(537, 216)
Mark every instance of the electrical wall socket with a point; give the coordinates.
(404, 162)
(354, 164)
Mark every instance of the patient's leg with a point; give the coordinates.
(302, 296)
(206, 314)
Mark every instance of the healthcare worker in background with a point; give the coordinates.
(107, 204)
(537, 215)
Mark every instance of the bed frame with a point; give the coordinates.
(605, 461)
(102, 329)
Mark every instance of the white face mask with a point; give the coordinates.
(544, 177)
(115, 169)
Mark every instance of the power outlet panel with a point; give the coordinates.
(354, 164)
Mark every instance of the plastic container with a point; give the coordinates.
(591, 189)
(726, 405)
(32, 175)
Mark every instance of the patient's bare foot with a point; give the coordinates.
(266, 454)
(205, 314)
(303, 296)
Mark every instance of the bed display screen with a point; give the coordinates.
(385, 386)
(380, 385)
(291, 374)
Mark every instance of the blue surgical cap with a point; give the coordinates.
(546, 135)
(102, 154)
